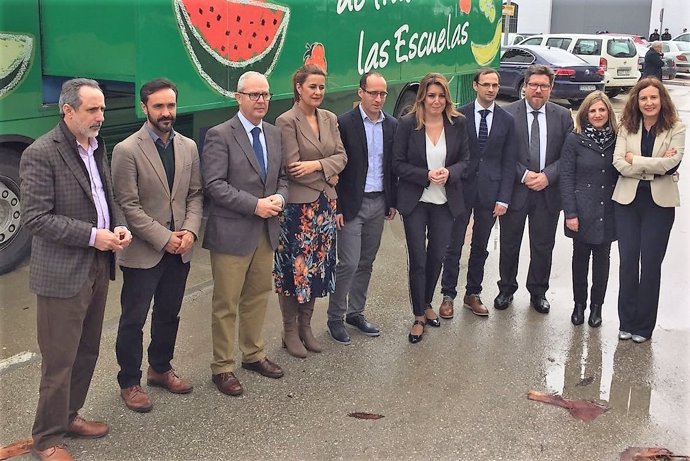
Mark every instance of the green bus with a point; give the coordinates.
(204, 46)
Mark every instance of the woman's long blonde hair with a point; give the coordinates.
(582, 117)
(432, 78)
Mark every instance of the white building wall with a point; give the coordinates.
(676, 16)
(534, 16)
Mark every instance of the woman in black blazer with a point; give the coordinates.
(430, 154)
(587, 181)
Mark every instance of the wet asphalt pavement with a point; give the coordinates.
(459, 394)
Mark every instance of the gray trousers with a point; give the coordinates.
(358, 243)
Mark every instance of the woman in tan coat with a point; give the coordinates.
(648, 151)
(304, 266)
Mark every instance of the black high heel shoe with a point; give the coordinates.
(414, 339)
(433, 322)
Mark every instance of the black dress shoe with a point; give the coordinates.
(414, 339)
(360, 322)
(578, 317)
(594, 315)
(435, 322)
(540, 304)
(503, 300)
(337, 332)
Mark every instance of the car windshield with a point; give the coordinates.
(559, 57)
(621, 48)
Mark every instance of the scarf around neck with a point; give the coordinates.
(600, 136)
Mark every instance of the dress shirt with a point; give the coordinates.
(435, 158)
(374, 133)
(155, 137)
(478, 117)
(248, 127)
(97, 192)
(542, 134)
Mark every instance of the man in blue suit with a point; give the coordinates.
(366, 195)
(487, 184)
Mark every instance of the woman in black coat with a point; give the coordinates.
(430, 154)
(587, 180)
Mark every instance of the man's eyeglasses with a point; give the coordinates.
(489, 85)
(543, 86)
(256, 96)
(374, 94)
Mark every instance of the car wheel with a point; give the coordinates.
(15, 239)
(405, 103)
(613, 93)
(521, 90)
(575, 103)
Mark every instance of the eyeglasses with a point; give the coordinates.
(489, 85)
(543, 86)
(374, 94)
(256, 96)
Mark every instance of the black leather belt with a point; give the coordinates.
(373, 194)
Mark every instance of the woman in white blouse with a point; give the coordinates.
(430, 155)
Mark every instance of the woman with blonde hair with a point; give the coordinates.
(304, 266)
(587, 181)
(430, 154)
(648, 152)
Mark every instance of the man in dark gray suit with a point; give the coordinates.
(245, 180)
(67, 204)
(540, 128)
(366, 195)
(487, 185)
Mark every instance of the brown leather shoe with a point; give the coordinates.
(136, 399)
(81, 428)
(265, 368)
(227, 383)
(56, 453)
(474, 303)
(446, 309)
(168, 380)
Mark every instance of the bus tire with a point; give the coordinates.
(405, 103)
(15, 240)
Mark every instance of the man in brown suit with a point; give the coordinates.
(245, 181)
(157, 183)
(67, 204)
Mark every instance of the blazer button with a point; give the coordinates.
(602, 187)
(602, 155)
(602, 203)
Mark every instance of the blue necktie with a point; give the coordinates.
(483, 129)
(258, 150)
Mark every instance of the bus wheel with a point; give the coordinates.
(405, 103)
(15, 240)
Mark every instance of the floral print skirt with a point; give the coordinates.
(304, 262)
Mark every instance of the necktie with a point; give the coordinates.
(258, 150)
(534, 157)
(483, 129)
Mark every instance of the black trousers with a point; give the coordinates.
(427, 232)
(165, 284)
(600, 271)
(481, 231)
(643, 229)
(542, 237)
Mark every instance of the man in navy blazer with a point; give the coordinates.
(540, 130)
(487, 185)
(366, 195)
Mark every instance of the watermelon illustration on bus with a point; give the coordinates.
(204, 46)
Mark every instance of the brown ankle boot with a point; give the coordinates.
(305, 312)
(291, 339)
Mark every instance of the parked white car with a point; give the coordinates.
(680, 52)
(616, 55)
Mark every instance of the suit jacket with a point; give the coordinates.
(410, 164)
(233, 184)
(654, 169)
(492, 172)
(150, 207)
(58, 209)
(353, 178)
(559, 123)
(300, 143)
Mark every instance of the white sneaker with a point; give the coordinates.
(624, 335)
(639, 339)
